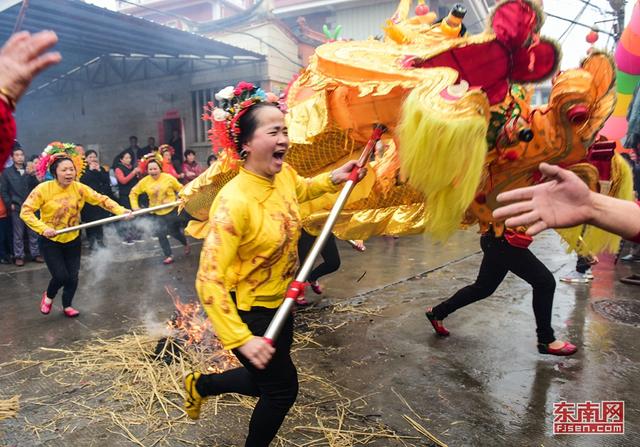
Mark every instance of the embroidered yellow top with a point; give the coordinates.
(160, 191)
(60, 207)
(252, 246)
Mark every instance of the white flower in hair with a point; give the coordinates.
(219, 114)
(225, 94)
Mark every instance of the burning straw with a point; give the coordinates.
(131, 386)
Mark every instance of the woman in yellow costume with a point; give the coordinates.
(60, 201)
(161, 188)
(249, 257)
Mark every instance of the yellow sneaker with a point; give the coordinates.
(192, 399)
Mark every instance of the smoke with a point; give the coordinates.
(155, 327)
(134, 272)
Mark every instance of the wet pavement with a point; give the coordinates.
(485, 385)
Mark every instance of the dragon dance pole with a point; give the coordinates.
(297, 286)
(107, 220)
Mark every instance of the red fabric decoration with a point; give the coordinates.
(514, 23)
(7, 133)
(544, 56)
(471, 62)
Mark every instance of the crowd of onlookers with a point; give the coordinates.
(19, 244)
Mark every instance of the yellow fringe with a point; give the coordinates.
(442, 156)
(594, 240)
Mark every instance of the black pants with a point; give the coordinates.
(276, 385)
(63, 262)
(168, 224)
(95, 235)
(499, 259)
(126, 229)
(582, 264)
(330, 255)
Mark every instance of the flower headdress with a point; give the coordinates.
(57, 150)
(166, 147)
(144, 161)
(233, 102)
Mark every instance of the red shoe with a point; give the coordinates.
(71, 312)
(168, 260)
(566, 349)
(437, 324)
(301, 300)
(44, 307)
(316, 287)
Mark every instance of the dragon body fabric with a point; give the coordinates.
(461, 129)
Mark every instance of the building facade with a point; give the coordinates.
(285, 32)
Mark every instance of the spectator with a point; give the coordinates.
(17, 183)
(210, 159)
(5, 236)
(97, 178)
(127, 177)
(167, 166)
(22, 57)
(131, 150)
(150, 147)
(191, 168)
(176, 143)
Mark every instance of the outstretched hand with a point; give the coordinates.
(22, 57)
(563, 201)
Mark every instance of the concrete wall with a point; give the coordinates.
(268, 38)
(103, 119)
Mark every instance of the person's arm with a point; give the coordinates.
(310, 188)
(8, 132)
(28, 211)
(175, 185)
(4, 190)
(620, 217)
(95, 198)
(565, 201)
(124, 179)
(134, 193)
(218, 251)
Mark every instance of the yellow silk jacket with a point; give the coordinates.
(160, 191)
(60, 207)
(252, 246)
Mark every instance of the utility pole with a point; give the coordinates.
(618, 9)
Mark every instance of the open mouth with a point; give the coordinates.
(279, 155)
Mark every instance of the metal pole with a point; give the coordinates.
(297, 286)
(107, 220)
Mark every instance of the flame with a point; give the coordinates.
(191, 326)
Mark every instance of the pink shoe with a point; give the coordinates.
(566, 349)
(168, 260)
(316, 287)
(71, 312)
(301, 300)
(44, 307)
(187, 250)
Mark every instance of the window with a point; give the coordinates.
(200, 98)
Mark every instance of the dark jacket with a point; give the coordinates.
(15, 186)
(99, 182)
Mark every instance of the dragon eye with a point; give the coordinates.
(578, 114)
